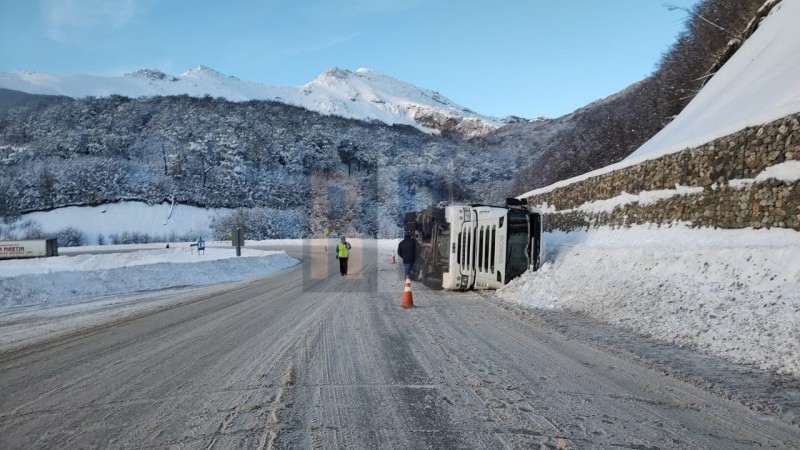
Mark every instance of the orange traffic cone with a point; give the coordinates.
(393, 257)
(326, 249)
(408, 298)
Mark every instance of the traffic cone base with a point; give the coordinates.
(408, 298)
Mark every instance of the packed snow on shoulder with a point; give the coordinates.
(69, 279)
(730, 293)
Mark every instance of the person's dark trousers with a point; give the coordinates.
(408, 267)
(343, 266)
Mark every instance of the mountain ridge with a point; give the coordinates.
(363, 94)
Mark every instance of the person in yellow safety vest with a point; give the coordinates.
(342, 253)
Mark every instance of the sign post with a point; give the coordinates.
(237, 240)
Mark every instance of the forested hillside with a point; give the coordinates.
(216, 153)
(608, 130)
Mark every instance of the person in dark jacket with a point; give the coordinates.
(407, 249)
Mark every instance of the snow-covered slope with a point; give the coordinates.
(759, 84)
(364, 94)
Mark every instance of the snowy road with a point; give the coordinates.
(309, 359)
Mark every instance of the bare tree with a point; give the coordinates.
(695, 13)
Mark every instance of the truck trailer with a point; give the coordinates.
(28, 248)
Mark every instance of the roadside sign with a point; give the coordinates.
(237, 240)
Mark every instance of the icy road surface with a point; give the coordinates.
(310, 359)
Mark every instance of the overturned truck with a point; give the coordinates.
(476, 246)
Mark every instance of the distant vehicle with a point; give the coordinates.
(476, 246)
(28, 248)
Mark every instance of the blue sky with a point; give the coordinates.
(496, 57)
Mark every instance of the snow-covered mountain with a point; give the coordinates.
(364, 94)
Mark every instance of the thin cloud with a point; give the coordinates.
(385, 6)
(349, 9)
(322, 45)
(67, 19)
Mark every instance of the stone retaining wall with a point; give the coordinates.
(716, 167)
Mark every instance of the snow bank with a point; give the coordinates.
(71, 279)
(731, 293)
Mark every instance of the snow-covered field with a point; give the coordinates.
(159, 221)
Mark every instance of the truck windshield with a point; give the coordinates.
(517, 251)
